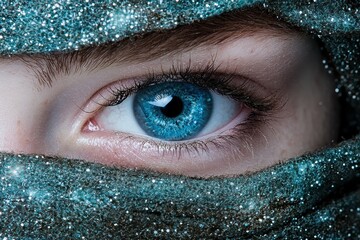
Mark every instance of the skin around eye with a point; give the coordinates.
(58, 120)
(307, 102)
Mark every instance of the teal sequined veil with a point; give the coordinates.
(315, 196)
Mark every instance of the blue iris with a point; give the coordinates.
(173, 111)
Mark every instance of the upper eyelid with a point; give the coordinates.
(47, 68)
(206, 76)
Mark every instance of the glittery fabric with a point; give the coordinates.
(50, 25)
(337, 25)
(312, 197)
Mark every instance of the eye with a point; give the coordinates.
(171, 111)
(188, 121)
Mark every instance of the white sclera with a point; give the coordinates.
(121, 118)
(224, 111)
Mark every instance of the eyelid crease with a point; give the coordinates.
(236, 24)
(208, 77)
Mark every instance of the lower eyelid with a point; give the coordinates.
(195, 159)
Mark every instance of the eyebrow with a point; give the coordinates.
(145, 47)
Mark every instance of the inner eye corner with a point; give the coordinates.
(89, 125)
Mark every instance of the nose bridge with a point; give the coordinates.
(20, 105)
(20, 126)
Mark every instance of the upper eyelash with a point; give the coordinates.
(207, 77)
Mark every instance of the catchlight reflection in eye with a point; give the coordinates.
(171, 111)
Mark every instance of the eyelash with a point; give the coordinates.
(209, 77)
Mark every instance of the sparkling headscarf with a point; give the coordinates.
(314, 196)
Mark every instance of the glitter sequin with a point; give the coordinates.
(50, 25)
(312, 197)
(80, 200)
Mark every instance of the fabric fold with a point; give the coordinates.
(72, 199)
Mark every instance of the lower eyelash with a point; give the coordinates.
(236, 140)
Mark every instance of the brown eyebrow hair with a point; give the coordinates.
(215, 30)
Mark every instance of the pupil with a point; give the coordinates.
(174, 108)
